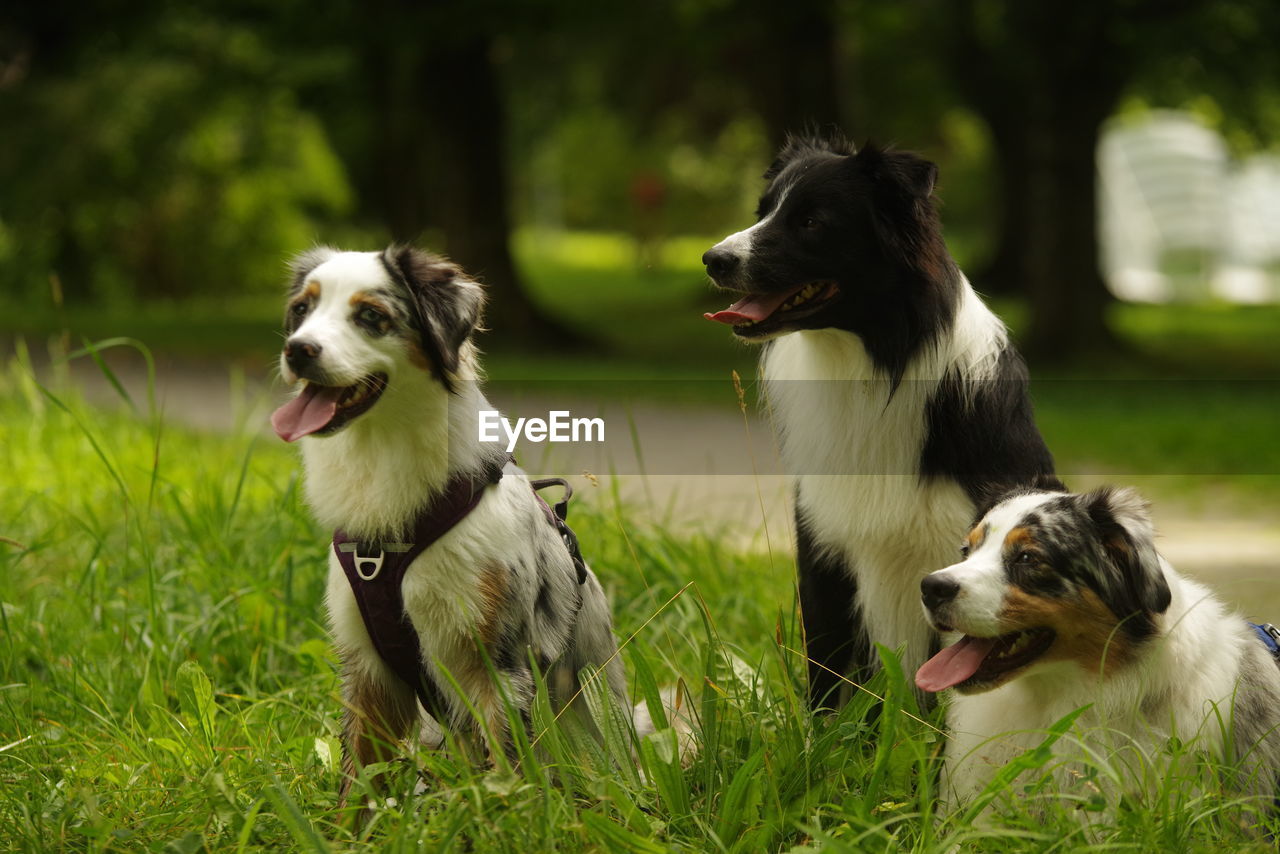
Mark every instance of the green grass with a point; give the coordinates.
(166, 684)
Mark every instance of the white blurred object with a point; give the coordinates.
(1178, 221)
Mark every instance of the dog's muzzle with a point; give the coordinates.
(720, 263)
(301, 353)
(937, 590)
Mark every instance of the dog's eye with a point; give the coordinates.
(370, 316)
(1024, 558)
(298, 309)
(964, 550)
(808, 223)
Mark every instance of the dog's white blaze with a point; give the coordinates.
(873, 508)
(740, 242)
(1007, 515)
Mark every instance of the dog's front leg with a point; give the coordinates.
(491, 695)
(380, 710)
(836, 642)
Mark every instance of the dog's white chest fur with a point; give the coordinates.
(443, 589)
(853, 444)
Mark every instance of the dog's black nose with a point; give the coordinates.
(300, 352)
(938, 590)
(719, 262)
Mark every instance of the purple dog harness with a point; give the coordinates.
(375, 571)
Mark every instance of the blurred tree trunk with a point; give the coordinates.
(788, 58)
(1068, 298)
(1005, 271)
(465, 119)
(1044, 77)
(439, 160)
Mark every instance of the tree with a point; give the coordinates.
(149, 154)
(1044, 77)
(415, 106)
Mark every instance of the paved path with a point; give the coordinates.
(699, 467)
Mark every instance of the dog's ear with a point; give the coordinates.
(903, 214)
(805, 144)
(899, 172)
(447, 305)
(1122, 520)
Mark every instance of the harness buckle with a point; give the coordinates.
(1273, 631)
(368, 566)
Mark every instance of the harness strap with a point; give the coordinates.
(376, 571)
(1270, 637)
(558, 516)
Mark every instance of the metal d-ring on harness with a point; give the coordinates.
(375, 571)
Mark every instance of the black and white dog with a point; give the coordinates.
(1062, 602)
(381, 346)
(900, 403)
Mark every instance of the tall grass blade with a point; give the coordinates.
(615, 837)
(1029, 760)
(300, 828)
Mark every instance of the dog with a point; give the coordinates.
(380, 344)
(1062, 602)
(899, 402)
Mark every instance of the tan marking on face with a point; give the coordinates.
(363, 298)
(976, 537)
(310, 293)
(1019, 538)
(1087, 632)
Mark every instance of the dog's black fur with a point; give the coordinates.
(863, 224)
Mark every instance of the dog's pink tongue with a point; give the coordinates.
(954, 664)
(306, 413)
(752, 308)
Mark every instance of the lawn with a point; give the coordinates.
(166, 684)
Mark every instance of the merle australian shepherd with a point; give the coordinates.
(901, 405)
(1061, 601)
(379, 345)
